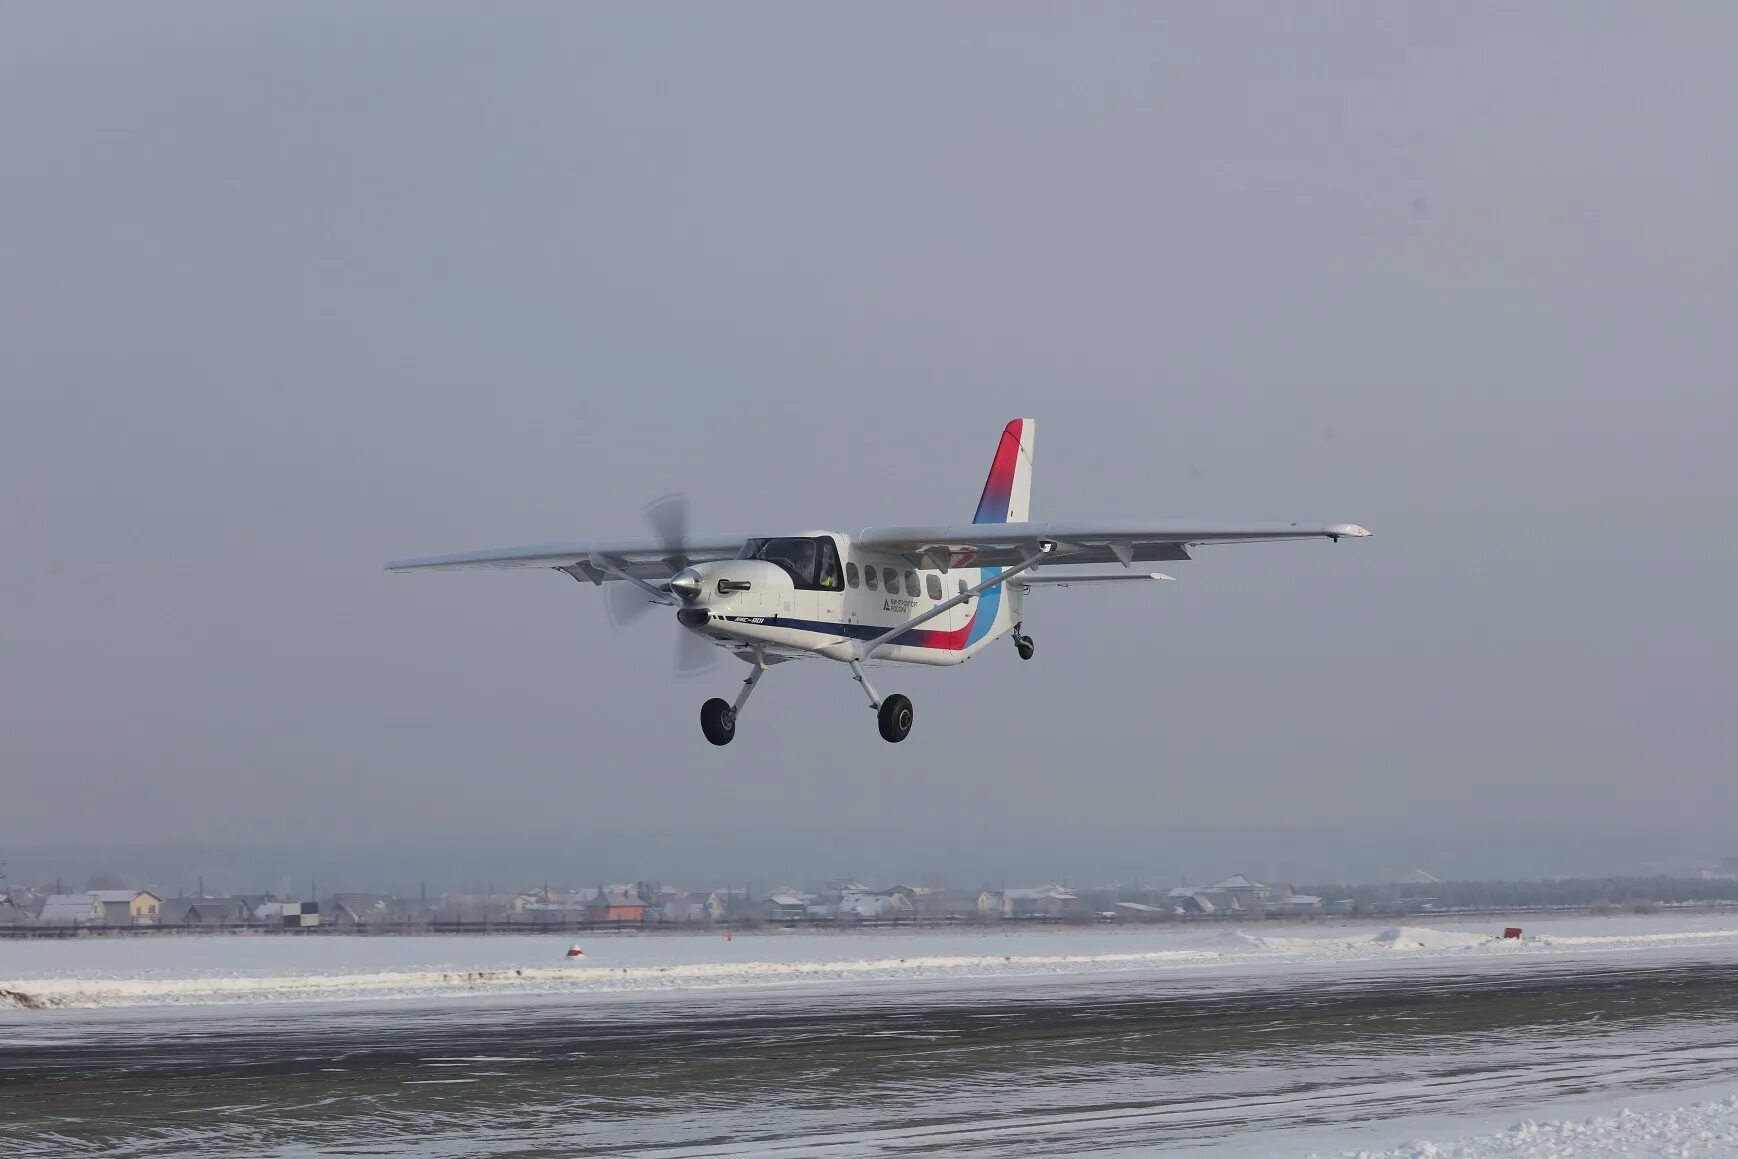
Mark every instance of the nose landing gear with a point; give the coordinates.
(717, 721)
(718, 716)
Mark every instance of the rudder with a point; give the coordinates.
(1007, 494)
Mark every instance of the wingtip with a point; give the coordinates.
(1348, 529)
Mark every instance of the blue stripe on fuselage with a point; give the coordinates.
(989, 605)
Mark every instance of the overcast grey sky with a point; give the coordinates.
(287, 291)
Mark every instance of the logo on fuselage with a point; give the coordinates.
(893, 604)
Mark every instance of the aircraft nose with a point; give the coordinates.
(685, 585)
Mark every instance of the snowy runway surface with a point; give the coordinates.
(1272, 1040)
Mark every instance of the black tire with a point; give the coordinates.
(895, 718)
(717, 721)
(1023, 645)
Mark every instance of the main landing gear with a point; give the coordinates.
(893, 715)
(894, 718)
(1022, 644)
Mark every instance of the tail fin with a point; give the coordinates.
(1007, 493)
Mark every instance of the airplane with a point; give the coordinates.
(927, 594)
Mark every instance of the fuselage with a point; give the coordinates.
(819, 594)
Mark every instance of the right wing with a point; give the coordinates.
(1003, 544)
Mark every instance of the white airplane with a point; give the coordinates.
(935, 594)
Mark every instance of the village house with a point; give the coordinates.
(476, 907)
(617, 903)
(1044, 903)
(1134, 911)
(206, 911)
(71, 909)
(128, 907)
(563, 907)
(349, 910)
(730, 905)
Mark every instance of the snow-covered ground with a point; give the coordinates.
(1590, 1037)
(1704, 1128)
(190, 971)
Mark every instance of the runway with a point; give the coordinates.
(1232, 1065)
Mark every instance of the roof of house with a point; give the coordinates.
(68, 907)
(108, 896)
(1237, 881)
(1055, 891)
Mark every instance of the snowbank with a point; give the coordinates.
(223, 970)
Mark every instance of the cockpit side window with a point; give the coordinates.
(796, 556)
(811, 563)
(827, 575)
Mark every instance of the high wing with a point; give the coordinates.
(1004, 544)
(646, 558)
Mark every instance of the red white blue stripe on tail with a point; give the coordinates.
(1006, 498)
(1008, 490)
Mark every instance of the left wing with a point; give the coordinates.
(1003, 544)
(643, 557)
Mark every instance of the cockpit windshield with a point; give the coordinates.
(812, 563)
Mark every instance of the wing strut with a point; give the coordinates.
(867, 649)
(604, 563)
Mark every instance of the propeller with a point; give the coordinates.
(667, 516)
(694, 654)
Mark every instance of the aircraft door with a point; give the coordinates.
(827, 601)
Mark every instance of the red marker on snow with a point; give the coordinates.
(575, 952)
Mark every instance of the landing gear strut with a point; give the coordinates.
(1022, 644)
(718, 716)
(892, 715)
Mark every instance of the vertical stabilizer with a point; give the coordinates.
(1007, 493)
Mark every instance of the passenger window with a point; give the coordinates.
(890, 577)
(851, 574)
(869, 578)
(933, 583)
(962, 587)
(911, 583)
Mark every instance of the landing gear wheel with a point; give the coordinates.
(717, 721)
(1023, 645)
(895, 718)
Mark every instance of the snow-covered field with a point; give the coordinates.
(192, 971)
